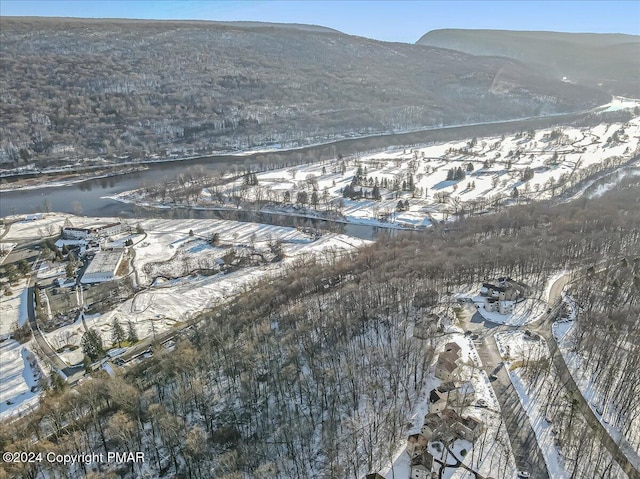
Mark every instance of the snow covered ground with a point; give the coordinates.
(513, 347)
(535, 396)
(13, 309)
(584, 379)
(524, 312)
(5, 248)
(167, 303)
(490, 168)
(19, 373)
(18, 366)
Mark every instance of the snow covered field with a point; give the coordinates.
(433, 182)
(168, 246)
(13, 309)
(19, 373)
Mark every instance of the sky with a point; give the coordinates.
(397, 21)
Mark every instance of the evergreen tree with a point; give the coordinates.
(23, 267)
(458, 174)
(92, 344)
(132, 335)
(527, 174)
(70, 270)
(314, 199)
(302, 198)
(375, 194)
(118, 335)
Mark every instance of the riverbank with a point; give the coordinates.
(64, 179)
(35, 179)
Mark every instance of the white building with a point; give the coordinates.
(505, 307)
(108, 230)
(103, 266)
(75, 233)
(96, 231)
(491, 304)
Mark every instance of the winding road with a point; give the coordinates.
(73, 373)
(521, 435)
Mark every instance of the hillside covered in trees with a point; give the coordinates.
(315, 375)
(73, 89)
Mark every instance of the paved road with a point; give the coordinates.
(51, 355)
(73, 373)
(521, 435)
(599, 431)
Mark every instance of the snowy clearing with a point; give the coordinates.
(169, 245)
(19, 373)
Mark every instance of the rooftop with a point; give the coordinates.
(105, 261)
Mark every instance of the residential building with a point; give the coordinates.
(468, 428)
(452, 348)
(506, 290)
(75, 233)
(445, 367)
(421, 466)
(416, 444)
(491, 304)
(505, 307)
(70, 232)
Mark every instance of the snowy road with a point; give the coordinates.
(544, 329)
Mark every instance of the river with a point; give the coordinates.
(87, 197)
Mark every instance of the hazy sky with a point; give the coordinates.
(402, 21)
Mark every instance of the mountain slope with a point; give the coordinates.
(607, 61)
(78, 88)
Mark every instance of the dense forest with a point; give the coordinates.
(77, 89)
(316, 374)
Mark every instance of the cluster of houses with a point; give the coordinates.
(444, 422)
(503, 296)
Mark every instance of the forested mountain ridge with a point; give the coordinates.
(72, 88)
(607, 61)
